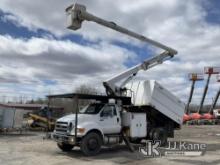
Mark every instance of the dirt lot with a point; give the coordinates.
(32, 149)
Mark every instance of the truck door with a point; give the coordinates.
(109, 120)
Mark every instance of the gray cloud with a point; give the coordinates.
(69, 64)
(180, 24)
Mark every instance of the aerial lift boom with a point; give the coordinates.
(214, 101)
(77, 13)
(190, 97)
(210, 115)
(216, 98)
(110, 84)
(193, 77)
(197, 116)
(209, 71)
(204, 94)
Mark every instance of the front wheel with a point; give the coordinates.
(65, 147)
(91, 144)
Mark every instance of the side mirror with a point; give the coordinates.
(101, 114)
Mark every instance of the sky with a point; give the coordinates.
(40, 56)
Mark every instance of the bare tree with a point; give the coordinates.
(69, 104)
(85, 89)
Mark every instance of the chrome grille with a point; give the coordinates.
(61, 127)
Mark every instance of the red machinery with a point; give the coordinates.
(186, 117)
(207, 116)
(196, 117)
(210, 71)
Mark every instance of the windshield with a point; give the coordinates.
(92, 109)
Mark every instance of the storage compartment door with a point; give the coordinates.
(138, 127)
(142, 125)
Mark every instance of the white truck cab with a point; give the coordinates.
(100, 120)
(104, 118)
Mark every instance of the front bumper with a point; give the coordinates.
(60, 138)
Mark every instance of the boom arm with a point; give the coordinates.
(214, 102)
(110, 84)
(77, 13)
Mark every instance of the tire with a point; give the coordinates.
(161, 135)
(151, 133)
(136, 141)
(91, 144)
(65, 147)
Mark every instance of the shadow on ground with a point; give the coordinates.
(195, 162)
(8, 135)
(120, 154)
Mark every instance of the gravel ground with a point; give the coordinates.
(30, 148)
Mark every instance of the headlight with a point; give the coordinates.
(81, 130)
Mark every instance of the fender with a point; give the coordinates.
(88, 127)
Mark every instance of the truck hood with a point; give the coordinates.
(81, 118)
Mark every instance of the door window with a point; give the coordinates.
(108, 111)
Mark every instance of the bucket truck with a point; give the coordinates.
(129, 112)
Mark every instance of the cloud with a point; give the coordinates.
(179, 24)
(37, 59)
(40, 14)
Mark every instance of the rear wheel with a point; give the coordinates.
(65, 147)
(161, 135)
(91, 144)
(151, 133)
(136, 141)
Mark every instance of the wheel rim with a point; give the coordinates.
(93, 144)
(160, 136)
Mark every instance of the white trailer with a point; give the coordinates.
(11, 118)
(7, 118)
